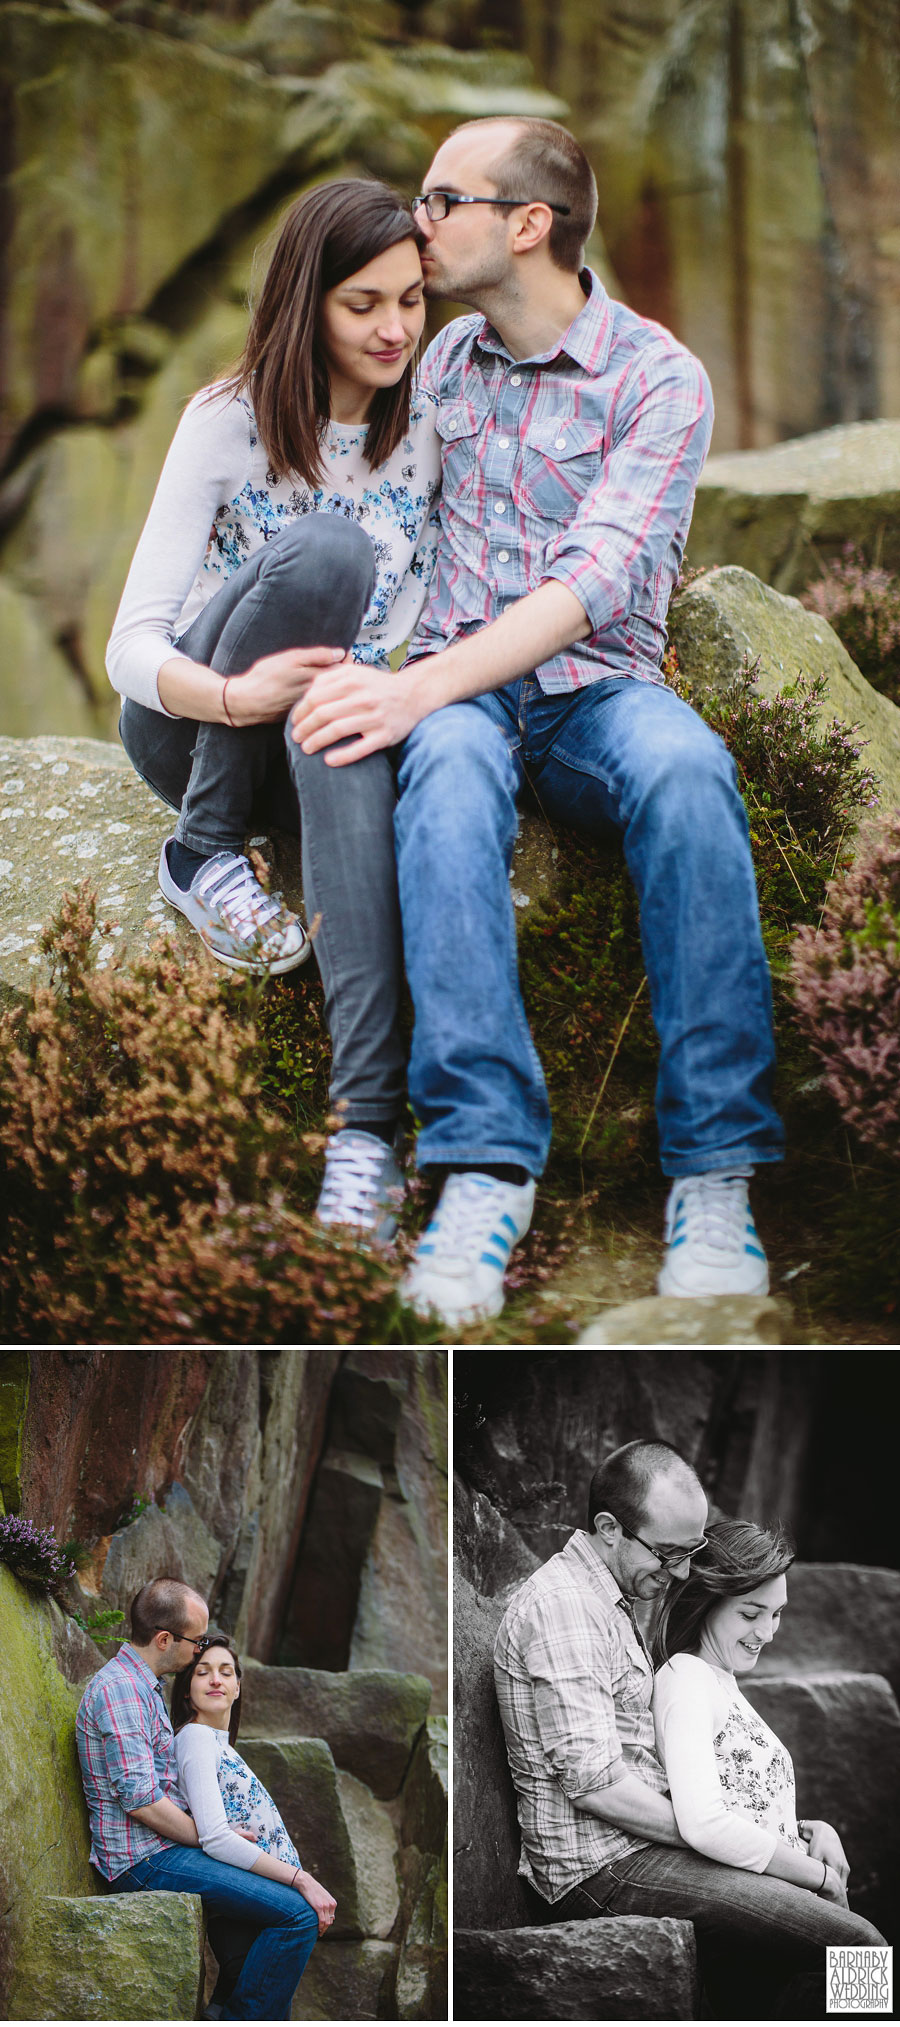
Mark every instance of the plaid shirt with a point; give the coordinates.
(580, 464)
(574, 1681)
(127, 1751)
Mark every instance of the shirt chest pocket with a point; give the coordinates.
(459, 425)
(561, 463)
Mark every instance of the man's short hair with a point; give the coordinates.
(622, 1483)
(544, 160)
(163, 1605)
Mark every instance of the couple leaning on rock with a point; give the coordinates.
(646, 1783)
(175, 1809)
(516, 512)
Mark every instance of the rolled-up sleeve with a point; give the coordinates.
(626, 526)
(128, 1761)
(568, 1662)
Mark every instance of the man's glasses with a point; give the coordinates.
(187, 1639)
(671, 1558)
(437, 203)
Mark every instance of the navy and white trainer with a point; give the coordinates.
(458, 1267)
(712, 1245)
(363, 1188)
(241, 925)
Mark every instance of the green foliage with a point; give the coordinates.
(101, 1625)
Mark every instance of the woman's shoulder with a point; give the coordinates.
(196, 1742)
(683, 1671)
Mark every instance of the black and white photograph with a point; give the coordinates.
(676, 1664)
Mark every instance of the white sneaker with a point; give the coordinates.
(458, 1266)
(241, 925)
(362, 1188)
(712, 1243)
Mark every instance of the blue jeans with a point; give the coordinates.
(623, 758)
(761, 1942)
(287, 1925)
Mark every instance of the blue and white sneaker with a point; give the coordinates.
(458, 1266)
(712, 1245)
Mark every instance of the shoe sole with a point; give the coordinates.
(175, 899)
(428, 1312)
(667, 1285)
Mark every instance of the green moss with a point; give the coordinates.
(116, 1958)
(14, 1381)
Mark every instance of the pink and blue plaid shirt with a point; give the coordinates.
(579, 465)
(127, 1751)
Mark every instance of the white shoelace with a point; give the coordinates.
(463, 1222)
(235, 892)
(714, 1208)
(354, 1175)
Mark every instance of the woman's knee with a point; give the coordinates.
(329, 548)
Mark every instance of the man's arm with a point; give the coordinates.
(630, 1805)
(377, 711)
(167, 1820)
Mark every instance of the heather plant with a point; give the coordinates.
(846, 975)
(148, 1192)
(33, 1553)
(862, 602)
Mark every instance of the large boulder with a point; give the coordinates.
(44, 1838)
(38, 685)
(708, 1319)
(842, 1616)
(486, 1886)
(631, 1968)
(727, 618)
(489, 1550)
(786, 511)
(348, 1981)
(168, 1536)
(116, 1958)
(424, 1818)
(107, 201)
(371, 1719)
(343, 1834)
(843, 1733)
(345, 1505)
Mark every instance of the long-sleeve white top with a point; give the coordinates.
(731, 1781)
(217, 502)
(220, 1790)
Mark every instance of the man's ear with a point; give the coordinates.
(533, 228)
(605, 1525)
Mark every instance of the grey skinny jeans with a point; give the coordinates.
(308, 587)
(761, 1942)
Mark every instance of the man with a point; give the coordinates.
(141, 1837)
(573, 435)
(574, 1681)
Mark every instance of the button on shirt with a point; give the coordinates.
(574, 1681)
(127, 1751)
(579, 465)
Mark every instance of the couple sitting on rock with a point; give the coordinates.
(175, 1809)
(517, 514)
(646, 1783)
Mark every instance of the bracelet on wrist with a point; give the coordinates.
(225, 703)
(821, 1889)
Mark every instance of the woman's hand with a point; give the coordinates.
(824, 1843)
(266, 690)
(321, 1901)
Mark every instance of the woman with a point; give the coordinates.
(293, 522)
(220, 1791)
(731, 1781)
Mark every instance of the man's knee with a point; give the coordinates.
(461, 747)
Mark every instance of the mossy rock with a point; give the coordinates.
(15, 1374)
(125, 1957)
(785, 512)
(39, 688)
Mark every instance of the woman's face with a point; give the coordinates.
(370, 325)
(736, 1629)
(214, 1687)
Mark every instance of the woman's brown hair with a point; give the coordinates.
(182, 1708)
(328, 234)
(737, 1555)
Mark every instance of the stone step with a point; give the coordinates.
(123, 1956)
(370, 1718)
(629, 1968)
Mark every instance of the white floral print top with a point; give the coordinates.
(218, 501)
(224, 1796)
(731, 1781)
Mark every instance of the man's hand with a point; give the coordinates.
(321, 1901)
(352, 702)
(824, 1843)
